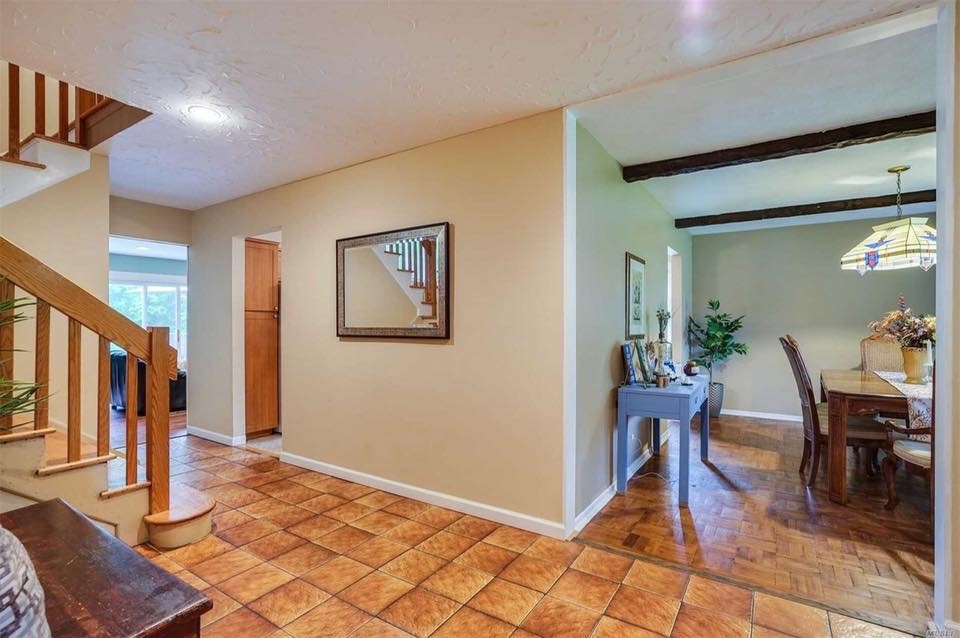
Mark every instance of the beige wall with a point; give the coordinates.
(131, 218)
(613, 217)
(65, 226)
(477, 417)
(373, 297)
(788, 280)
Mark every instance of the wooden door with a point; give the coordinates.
(262, 336)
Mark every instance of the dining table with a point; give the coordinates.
(853, 392)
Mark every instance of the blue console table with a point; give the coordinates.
(676, 402)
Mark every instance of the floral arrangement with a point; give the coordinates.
(910, 330)
(663, 316)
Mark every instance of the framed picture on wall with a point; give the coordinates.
(636, 325)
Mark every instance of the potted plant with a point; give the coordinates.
(915, 334)
(16, 397)
(715, 344)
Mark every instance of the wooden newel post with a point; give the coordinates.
(158, 420)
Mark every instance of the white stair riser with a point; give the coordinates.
(62, 162)
(79, 487)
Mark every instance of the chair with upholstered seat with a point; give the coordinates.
(862, 431)
(915, 450)
(881, 353)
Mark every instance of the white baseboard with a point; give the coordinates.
(490, 512)
(607, 494)
(216, 437)
(594, 508)
(772, 416)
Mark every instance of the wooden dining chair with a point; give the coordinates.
(862, 431)
(881, 353)
(907, 445)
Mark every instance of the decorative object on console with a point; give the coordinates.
(663, 350)
(691, 369)
(916, 335)
(628, 348)
(636, 323)
(716, 344)
(395, 284)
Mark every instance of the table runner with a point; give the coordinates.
(919, 402)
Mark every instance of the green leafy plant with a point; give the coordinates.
(16, 397)
(715, 338)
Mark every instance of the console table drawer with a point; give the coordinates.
(654, 406)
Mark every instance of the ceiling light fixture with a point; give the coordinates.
(141, 248)
(902, 243)
(204, 114)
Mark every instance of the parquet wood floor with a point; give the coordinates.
(752, 521)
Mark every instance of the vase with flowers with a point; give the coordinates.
(663, 349)
(916, 334)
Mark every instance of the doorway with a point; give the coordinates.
(675, 303)
(148, 285)
(262, 307)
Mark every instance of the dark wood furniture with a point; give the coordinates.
(262, 336)
(818, 426)
(95, 585)
(849, 393)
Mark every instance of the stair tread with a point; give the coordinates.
(124, 489)
(24, 434)
(75, 465)
(20, 162)
(186, 504)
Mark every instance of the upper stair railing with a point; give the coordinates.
(20, 270)
(95, 117)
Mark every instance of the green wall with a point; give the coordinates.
(788, 280)
(613, 217)
(150, 265)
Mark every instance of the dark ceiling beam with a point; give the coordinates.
(836, 206)
(907, 125)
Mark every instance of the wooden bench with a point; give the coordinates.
(97, 586)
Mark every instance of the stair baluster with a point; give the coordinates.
(131, 438)
(63, 111)
(103, 397)
(6, 345)
(41, 367)
(13, 111)
(73, 390)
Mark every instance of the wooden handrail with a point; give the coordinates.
(36, 278)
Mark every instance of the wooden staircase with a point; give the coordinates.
(52, 143)
(139, 504)
(417, 256)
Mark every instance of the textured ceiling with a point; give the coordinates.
(880, 79)
(312, 86)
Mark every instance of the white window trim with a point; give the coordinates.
(123, 277)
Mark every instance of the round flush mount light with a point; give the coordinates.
(141, 248)
(203, 114)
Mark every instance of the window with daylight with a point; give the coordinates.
(153, 300)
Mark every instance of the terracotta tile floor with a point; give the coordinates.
(297, 553)
(751, 521)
